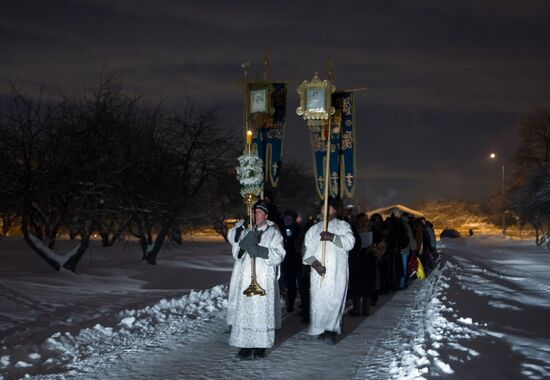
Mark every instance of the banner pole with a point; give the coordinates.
(326, 191)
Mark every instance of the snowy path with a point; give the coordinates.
(482, 314)
(369, 351)
(459, 323)
(204, 353)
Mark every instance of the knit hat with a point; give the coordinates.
(262, 205)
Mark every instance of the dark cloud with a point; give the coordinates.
(447, 81)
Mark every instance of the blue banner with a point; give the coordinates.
(344, 102)
(268, 137)
(319, 147)
(342, 149)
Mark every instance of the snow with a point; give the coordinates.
(35, 356)
(466, 321)
(136, 327)
(22, 364)
(5, 361)
(444, 367)
(482, 303)
(61, 260)
(128, 321)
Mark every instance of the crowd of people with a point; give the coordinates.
(356, 257)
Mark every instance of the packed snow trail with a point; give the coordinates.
(189, 350)
(482, 313)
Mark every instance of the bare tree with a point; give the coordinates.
(184, 151)
(39, 153)
(533, 203)
(109, 163)
(534, 146)
(529, 188)
(222, 200)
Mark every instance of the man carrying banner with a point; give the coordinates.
(254, 320)
(329, 282)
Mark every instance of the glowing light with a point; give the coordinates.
(492, 155)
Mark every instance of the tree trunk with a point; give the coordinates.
(109, 235)
(53, 263)
(27, 236)
(175, 235)
(73, 261)
(150, 254)
(69, 261)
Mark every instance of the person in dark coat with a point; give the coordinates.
(427, 251)
(292, 264)
(362, 267)
(398, 239)
(304, 285)
(274, 214)
(379, 239)
(275, 217)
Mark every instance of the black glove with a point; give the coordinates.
(238, 233)
(241, 253)
(325, 235)
(321, 270)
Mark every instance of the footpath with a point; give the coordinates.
(370, 347)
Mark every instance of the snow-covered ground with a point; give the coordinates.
(482, 313)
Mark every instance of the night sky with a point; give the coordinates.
(447, 81)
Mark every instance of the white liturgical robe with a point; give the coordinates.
(254, 319)
(328, 298)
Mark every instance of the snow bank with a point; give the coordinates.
(137, 327)
(432, 324)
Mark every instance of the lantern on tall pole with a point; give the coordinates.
(316, 108)
(251, 178)
(266, 105)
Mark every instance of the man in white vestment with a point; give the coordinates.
(233, 237)
(328, 296)
(253, 319)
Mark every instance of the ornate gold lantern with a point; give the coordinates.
(316, 108)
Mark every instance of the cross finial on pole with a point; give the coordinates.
(266, 67)
(245, 67)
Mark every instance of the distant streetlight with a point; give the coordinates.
(494, 156)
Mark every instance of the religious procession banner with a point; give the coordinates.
(268, 133)
(342, 148)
